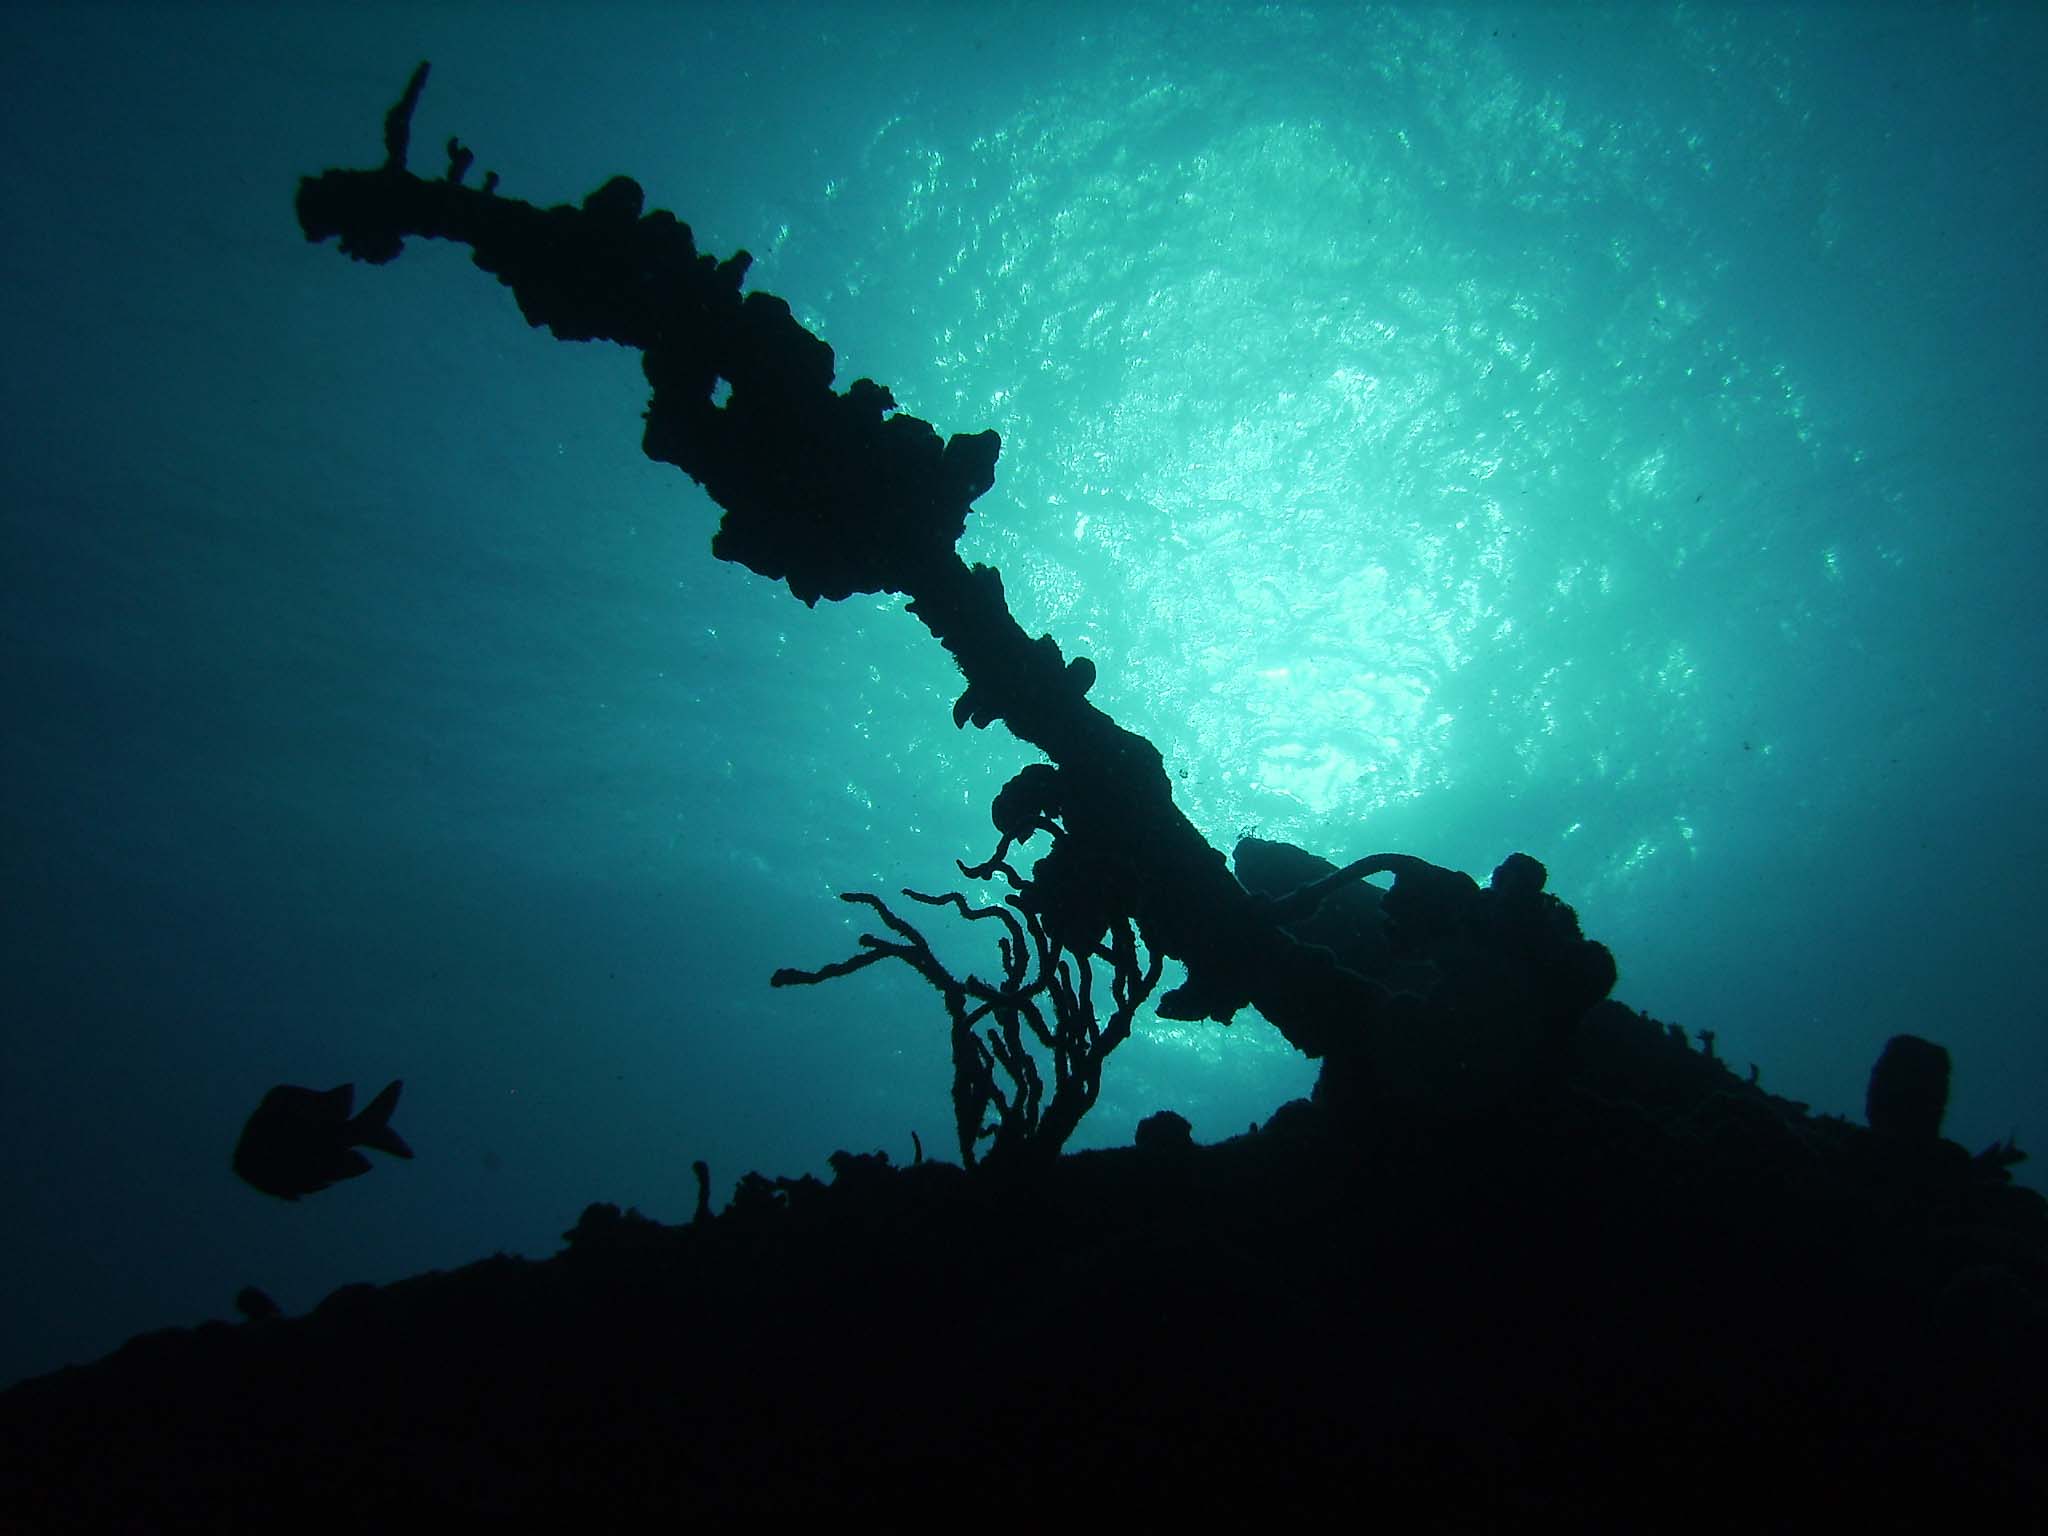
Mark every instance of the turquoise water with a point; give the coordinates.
(1612, 438)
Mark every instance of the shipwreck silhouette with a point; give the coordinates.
(1526, 1255)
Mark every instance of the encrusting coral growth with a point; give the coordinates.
(839, 493)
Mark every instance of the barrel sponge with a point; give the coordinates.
(1908, 1089)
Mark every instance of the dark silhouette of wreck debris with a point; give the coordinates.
(840, 493)
(1527, 1257)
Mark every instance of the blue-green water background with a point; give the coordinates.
(1611, 435)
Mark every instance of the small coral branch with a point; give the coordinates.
(1044, 1006)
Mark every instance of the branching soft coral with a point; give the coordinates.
(1044, 1005)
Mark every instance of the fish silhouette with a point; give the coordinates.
(301, 1140)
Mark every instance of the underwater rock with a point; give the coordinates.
(1164, 1133)
(255, 1305)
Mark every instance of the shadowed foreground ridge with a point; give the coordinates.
(1526, 1253)
(1703, 1302)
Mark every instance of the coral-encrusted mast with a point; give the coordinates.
(835, 495)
